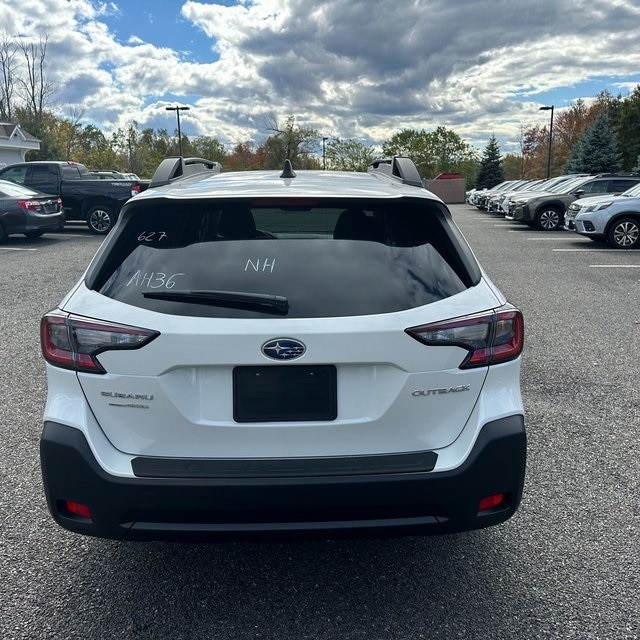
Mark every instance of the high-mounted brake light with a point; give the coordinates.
(73, 342)
(490, 338)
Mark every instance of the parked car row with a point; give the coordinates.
(95, 199)
(604, 207)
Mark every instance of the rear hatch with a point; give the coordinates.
(283, 328)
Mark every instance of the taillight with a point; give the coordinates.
(135, 190)
(72, 342)
(490, 338)
(29, 205)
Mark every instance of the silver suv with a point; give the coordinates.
(615, 219)
(282, 352)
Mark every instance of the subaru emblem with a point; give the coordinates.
(283, 349)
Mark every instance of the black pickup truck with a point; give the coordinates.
(84, 197)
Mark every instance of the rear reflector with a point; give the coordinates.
(490, 338)
(491, 502)
(77, 509)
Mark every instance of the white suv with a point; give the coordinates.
(272, 353)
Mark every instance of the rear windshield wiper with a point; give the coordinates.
(235, 299)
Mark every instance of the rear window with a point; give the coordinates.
(16, 190)
(260, 258)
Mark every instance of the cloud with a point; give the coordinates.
(350, 68)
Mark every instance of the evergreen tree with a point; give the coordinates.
(597, 149)
(627, 125)
(491, 171)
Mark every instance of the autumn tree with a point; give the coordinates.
(209, 148)
(512, 165)
(152, 148)
(289, 141)
(244, 157)
(534, 151)
(569, 125)
(25, 91)
(97, 151)
(35, 88)
(8, 65)
(348, 155)
(434, 152)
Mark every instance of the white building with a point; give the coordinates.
(14, 143)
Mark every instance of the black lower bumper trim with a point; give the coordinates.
(283, 468)
(237, 506)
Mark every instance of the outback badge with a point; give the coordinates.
(283, 349)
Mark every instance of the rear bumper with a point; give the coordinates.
(386, 503)
(30, 221)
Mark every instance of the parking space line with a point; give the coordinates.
(615, 266)
(68, 235)
(588, 250)
(17, 249)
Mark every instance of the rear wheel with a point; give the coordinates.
(624, 233)
(100, 219)
(549, 219)
(34, 234)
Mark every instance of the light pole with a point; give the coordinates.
(549, 108)
(178, 109)
(324, 156)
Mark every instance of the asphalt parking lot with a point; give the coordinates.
(566, 566)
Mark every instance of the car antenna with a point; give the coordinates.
(288, 171)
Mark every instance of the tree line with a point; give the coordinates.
(603, 135)
(597, 138)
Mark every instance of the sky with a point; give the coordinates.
(351, 69)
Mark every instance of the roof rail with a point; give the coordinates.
(617, 174)
(399, 168)
(176, 168)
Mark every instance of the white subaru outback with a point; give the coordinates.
(272, 353)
